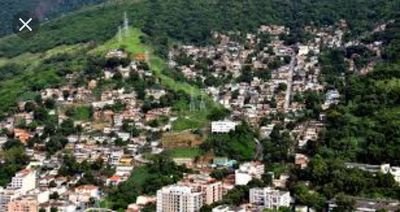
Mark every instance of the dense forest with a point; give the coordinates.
(44, 9)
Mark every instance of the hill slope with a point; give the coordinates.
(192, 21)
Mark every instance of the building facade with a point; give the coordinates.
(248, 171)
(26, 204)
(24, 180)
(269, 198)
(222, 126)
(177, 198)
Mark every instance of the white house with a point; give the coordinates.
(269, 198)
(248, 171)
(222, 126)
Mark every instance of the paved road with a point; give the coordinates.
(259, 150)
(292, 65)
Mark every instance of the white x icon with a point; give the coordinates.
(25, 24)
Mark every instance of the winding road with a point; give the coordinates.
(292, 65)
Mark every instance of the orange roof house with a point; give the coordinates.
(141, 57)
(22, 135)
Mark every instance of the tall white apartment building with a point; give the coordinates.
(248, 171)
(177, 198)
(269, 198)
(24, 180)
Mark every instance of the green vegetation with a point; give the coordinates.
(179, 20)
(277, 147)
(14, 160)
(82, 113)
(42, 8)
(239, 144)
(193, 21)
(32, 72)
(184, 152)
(364, 128)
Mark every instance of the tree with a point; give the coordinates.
(29, 106)
(50, 103)
(54, 196)
(241, 143)
(40, 114)
(11, 143)
(219, 174)
(344, 203)
(281, 87)
(55, 144)
(236, 196)
(217, 114)
(308, 197)
(67, 127)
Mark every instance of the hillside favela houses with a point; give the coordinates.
(248, 121)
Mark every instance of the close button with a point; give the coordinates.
(25, 24)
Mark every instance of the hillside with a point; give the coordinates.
(187, 23)
(304, 87)
(193, 22)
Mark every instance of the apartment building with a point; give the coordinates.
(24, 204)
(248, 171)
(25, 180)
(212, 190)
(176, 198)
(269, 198)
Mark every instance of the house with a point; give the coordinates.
(223, 162)
(222, 126)
(269, 198)
(113, 180)
(248, 171)
(22, 135)
(84, 193)
(301, 160)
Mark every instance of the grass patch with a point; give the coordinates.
(184, 152)
(81, 113)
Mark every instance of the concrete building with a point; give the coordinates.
(211, 189)
(84, 193)
(248, 171)
(6, 196)
(177, 198)
(269, 198)
(24, 204)
(24, 180)
(222, 126)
